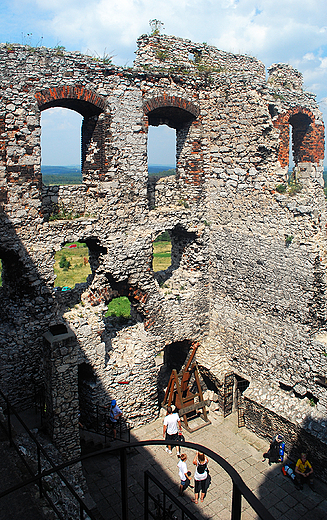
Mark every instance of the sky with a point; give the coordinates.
(274, 31)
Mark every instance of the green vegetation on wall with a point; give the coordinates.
(119, 308)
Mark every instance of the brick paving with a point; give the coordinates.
(239, 447)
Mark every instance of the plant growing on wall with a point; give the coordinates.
(156, 26)
(294, 187)
(162, 53)
(281, 188)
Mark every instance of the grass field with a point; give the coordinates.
(119, 307)
(79, 268)
(161, 255)
(79, 265)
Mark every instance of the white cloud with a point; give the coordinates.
(309, 56)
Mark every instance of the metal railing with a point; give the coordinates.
(239, 488)
(39, 477)
(100, 427)
(162, 510)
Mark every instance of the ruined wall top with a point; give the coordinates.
(285, 76)
(171, 53)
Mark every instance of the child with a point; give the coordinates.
(183, 473)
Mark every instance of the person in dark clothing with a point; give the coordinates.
(273, 454)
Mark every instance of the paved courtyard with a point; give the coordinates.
(240, 447)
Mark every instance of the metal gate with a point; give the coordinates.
(241, 385)
(228, 394)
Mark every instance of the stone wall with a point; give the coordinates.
(248, 270)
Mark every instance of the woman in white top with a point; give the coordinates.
(200, 476)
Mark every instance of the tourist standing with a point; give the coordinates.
(200, 476)
(184, 475)
(114, 414)
(172, 424)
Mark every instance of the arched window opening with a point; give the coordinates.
(165, 144)
(291, 159)
(61, 146)
(161, 157)
(300, 129)
(72, 265)
(161, 252)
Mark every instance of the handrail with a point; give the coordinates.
(40, 449)
(239, 487)
(147, 476)
(101, 417)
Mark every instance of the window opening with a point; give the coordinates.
(195, 56)
(300, 126)
(72, 265)
(61, 146)
(122, 308)
(161, 157)
(181, 240)
(119, 308)
(161, 150)
(290, 159)
(162, 252)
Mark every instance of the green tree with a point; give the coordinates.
(64, 263)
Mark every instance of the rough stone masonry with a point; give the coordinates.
(248, 273)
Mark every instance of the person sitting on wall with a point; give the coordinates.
(273, 454)
(114, 415)
(303, 472)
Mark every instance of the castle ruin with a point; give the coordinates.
(248, 273)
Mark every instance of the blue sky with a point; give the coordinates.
(286, 31)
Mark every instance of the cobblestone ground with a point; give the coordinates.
(239, 447)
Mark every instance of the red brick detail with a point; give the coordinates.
(308, 140)
(25, 174)
(2, 140)
(170, 101)
(68, 92)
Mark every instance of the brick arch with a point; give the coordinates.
(173, 111)
(308, 136)
(170, 101)
(78, 98)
